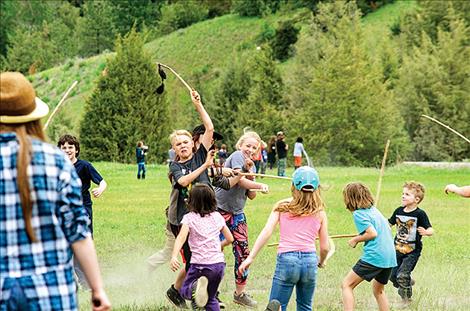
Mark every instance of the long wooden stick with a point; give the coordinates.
(178, 76)
(382, 169)
(337, 236)
(447, 127)
(264, 175)
(59, 104)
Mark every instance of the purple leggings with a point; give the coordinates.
(214, 273)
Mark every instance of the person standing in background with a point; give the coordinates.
(298, 150)
(271, 149)
(140, 152)
(281, 149)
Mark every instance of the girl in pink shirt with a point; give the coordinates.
(302, 220)
(203, 225)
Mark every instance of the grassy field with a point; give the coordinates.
(129, 226)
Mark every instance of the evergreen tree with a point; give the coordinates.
(264, 109)
(434, 80)
(124, 107)
(285, 37)
(97, 30)
(348, 113)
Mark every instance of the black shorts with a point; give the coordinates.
(369, 272)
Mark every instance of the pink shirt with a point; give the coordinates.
(297, 233)
(204, 239)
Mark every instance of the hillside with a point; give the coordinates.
(199, 53)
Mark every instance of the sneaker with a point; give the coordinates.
(175, 298)
(273, 305)
(221, 303)
(245, 300)
(200, 295)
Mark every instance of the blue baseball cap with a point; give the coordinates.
(305, 177)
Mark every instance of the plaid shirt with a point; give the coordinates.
(43, 268)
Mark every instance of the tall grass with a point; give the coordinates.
(129, 225)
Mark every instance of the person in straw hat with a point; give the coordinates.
(42, 219)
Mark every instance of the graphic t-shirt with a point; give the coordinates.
(179, 194)
(379, 251)
(408, 239)
(87, 174)
(204, 238)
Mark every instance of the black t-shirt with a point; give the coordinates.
(179, 194)
(281, 149)
(408, 238)
(87, 173)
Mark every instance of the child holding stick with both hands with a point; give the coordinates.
(301, 220)
(378, 257)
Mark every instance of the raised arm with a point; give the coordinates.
(205, 118)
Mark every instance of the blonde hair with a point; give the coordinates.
(356, 195)
(417, 189)
(303, 203)
(245, 136)
(23, 131)
(178, 133)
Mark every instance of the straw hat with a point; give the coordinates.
(18, 101)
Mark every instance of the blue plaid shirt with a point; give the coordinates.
(43, 268)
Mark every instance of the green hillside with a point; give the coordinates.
(199, 53)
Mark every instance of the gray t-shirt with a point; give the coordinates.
(178, 193)
(234, 199)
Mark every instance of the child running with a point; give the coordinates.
(412, 223)
(378, 257)
(231, 204)
(203, 225)
(302, 219)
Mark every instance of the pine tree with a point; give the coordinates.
(348, 113)
(434, 80)
(97, 30)
(124, 107)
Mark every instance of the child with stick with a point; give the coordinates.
(378, 257)
(231, 204)
(412, 223)
(203, 225)
(301, 219)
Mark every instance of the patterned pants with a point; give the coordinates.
(239, 228)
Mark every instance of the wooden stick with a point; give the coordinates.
(264, 175)
(447, 127)
(258, 190)
(337, 236)
(59, 104)
(382, 169)
(178, 76)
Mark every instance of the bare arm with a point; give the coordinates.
(179, 241)
(84, 252)
(369, 234)
(101, 188)
(206, 120)
(262, 239)
(228, 236)
(425, 232)
(323, 235)
(185, 180)
(463, 191)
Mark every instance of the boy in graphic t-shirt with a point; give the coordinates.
(412, 223)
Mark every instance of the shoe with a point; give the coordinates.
(175, 298)
(273, 305)
(245, 300)
(199, 292)
(221, 303)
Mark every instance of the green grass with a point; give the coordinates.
(129, 226)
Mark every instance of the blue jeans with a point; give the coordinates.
(17, 299)
(295, 269)
(141, 168)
